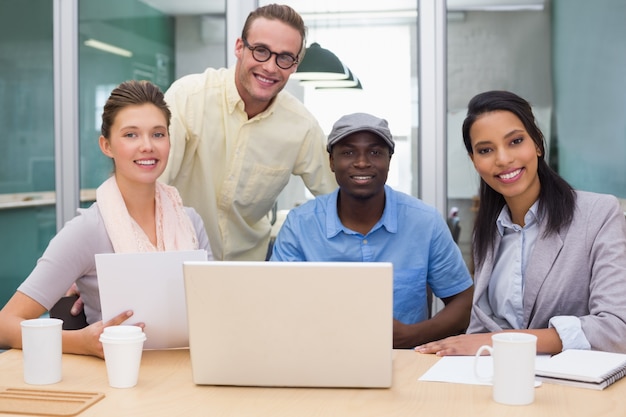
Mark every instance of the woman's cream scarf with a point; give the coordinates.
(173, 227)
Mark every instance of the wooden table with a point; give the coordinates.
(165, 388)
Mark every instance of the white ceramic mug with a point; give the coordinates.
(42, 349)
(513, 367)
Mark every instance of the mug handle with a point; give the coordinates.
(483, 378)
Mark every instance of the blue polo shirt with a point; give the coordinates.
(410, 234)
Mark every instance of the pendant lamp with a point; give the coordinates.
(320, 64)
(357, 86)
(351, 81)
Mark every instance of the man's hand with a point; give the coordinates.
(78, 306)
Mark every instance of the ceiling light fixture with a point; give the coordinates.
(357, 86)
(106, 47)
(351, 81)
(320, 64)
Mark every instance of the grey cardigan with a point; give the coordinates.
(580, 272)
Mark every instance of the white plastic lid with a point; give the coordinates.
(122, 333)
(42, 322)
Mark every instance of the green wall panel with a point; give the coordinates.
(590, 99)
(27, 103)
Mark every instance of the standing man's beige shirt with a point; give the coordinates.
(230, 168)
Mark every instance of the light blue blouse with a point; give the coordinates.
(506, 285)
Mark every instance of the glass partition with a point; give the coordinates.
(118, 40)
(27, 203)
(378, 43)
(590, 104)
(567, 58)
(491, 50)
(151, 40)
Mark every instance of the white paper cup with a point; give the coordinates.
(42, 348)
(513, 367)
(122, 346)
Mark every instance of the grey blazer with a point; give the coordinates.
(580, 272)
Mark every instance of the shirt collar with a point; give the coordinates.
(389, 219)
(234, 100)
(504, 218)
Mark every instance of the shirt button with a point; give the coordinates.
(365, 241)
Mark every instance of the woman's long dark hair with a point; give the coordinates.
(556, 196)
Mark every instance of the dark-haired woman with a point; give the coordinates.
(550, 260)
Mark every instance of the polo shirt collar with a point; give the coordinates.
(389, 219)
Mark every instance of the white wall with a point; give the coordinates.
(489, 51)
(200, 43)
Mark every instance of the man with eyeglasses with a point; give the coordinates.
(236, 137)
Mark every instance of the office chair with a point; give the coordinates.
(61, 310)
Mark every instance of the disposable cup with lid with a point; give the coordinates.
(123, 346)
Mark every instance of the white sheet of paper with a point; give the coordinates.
(460, 370)
(151, 284)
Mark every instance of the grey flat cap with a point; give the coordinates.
(358, 122)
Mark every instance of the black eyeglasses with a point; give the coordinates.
(263, 54)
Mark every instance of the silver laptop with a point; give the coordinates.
(290, 324)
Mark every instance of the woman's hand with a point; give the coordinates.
(462, 345)
(90, 336)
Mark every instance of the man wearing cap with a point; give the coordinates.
(365, 220)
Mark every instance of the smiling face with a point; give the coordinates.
(259, 82)
(360, 162)
(506, 157)
(138, 144)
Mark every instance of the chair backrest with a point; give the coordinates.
(61, 310)
(455, 228)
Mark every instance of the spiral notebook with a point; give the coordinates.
(583, 368)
